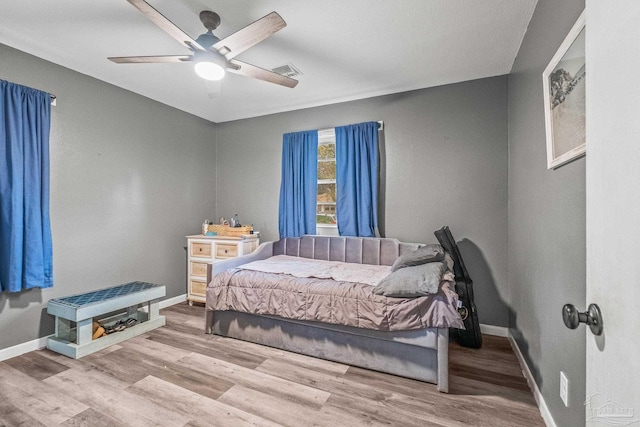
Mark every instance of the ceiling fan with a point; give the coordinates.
(211, 55)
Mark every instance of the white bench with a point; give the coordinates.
(82, 309)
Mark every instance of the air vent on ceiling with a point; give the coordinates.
(287, 70)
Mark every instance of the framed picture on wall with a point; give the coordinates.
(563, 82)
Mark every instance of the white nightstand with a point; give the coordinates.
(203, 250)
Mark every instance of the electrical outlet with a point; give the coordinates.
(564, 389)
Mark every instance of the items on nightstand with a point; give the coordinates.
(235, 221)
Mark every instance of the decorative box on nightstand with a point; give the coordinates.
(203, 250)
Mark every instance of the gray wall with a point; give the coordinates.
(546, 224)
(129, 179)
(445, 163)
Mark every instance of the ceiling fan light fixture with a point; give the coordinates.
(209, 70)
(208, 66)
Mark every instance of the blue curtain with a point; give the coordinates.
(25, 231)
(299, 185)
(357, 179)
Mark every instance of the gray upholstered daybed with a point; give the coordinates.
(370, 341)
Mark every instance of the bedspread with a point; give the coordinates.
(321, 269)
(330, 301)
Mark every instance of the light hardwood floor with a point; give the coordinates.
(178, 376)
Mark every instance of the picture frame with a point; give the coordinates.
(563, 83)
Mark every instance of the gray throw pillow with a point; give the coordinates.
(423, 255)
(413, 281)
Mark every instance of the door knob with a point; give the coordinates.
(592, 317)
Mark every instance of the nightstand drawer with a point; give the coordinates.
(198, 288)
(201, 249)
(199, 269)
(226, 251)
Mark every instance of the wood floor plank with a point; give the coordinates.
(494, 342)
(197, 311)
(199, 409)
(59, 358)
(272, 407)
(260, 381)
(186, 325)
(145, 365)
(499, 363)
(109, 395)
(11, 415)
(505, 403)
(497, 378)
(92, 418)
(466, 386)
(382, 412)
(138, 359)
(391, 383)
(202, 344)
(123, 365)
(330, 383)
(27, 394)
(143, 345)
(188, 316)
(387, 404)
(35, 365)
(338, 416)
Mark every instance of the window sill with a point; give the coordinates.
(327, 230)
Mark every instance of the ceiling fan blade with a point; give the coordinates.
(167, 26)
(150, 59)
(250, 35)
(239, 67)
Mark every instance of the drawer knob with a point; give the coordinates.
(225, 251)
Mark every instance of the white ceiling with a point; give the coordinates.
(346, 49)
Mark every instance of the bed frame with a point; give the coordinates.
(421, 354)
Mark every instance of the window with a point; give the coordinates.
(326, 202)
(330, 174)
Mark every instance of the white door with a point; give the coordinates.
(613, 210)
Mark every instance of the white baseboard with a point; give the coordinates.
(544, 410)
(40, 343)
(173, 301)
(498, 331)
(26, 347)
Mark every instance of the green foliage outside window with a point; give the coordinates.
(326, 151)
(326, 202)
(326, 170)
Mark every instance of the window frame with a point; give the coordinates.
(326, 137)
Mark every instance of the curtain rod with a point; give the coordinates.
(380, 127)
